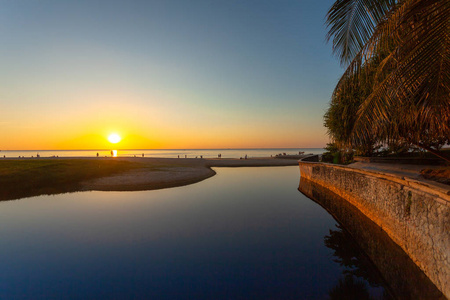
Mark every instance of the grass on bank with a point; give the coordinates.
(32, 177)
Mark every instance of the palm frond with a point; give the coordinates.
(418, 89)
(352, 23)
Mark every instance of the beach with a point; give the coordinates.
(29, 177)
(173, 172)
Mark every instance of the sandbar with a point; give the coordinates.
(173, 172)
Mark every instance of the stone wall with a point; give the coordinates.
(415, 215)
(403, 277)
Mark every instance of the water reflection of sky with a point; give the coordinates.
(244, 233)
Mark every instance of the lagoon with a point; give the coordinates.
(246, 233)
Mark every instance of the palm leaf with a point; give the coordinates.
(418, 88)
(352, 23)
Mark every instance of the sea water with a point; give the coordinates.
(167, 153)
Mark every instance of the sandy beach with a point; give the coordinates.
(173, 172)
(27, 177)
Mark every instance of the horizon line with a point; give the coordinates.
(108, 149)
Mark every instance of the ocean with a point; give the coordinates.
(167, 153)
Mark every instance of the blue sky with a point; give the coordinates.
(167, 74)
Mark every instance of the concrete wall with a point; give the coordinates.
(414, 214)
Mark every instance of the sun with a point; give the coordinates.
(114, 138)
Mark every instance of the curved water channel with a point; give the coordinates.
(246, 233)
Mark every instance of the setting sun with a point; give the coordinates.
(114, 138)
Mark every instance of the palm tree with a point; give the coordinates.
(409, 41)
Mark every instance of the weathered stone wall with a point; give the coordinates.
(404, 278)
(415, 215)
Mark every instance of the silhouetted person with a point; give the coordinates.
(142, 154)
(97, 154)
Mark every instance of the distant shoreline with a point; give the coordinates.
(161, 153)
(162, 149)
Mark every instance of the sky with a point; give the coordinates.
(169, 74)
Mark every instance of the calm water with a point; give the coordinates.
(206, 153)
(246, 233)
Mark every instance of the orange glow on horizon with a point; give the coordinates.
(163, 139)
(84, 132)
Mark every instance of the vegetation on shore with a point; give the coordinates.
(395, 91)
(335, 154)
